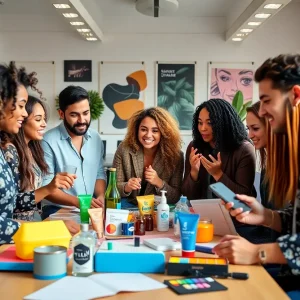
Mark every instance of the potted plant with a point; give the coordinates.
(239, 105)
(96, 104)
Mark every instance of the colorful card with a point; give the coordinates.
(184, 286)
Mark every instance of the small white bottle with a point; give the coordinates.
(83, 252)
(163, 213)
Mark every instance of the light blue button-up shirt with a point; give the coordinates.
(59, 151)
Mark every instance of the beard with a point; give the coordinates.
(73, 128)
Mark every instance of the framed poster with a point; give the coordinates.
(225, 79)
(122, 86)
(78, 70)
(175, 91)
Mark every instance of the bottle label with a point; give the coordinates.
(83, 259)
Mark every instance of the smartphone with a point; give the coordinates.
(227, 195)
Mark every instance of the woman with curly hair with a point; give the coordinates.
(149, 159)
(220, 152)
(13, 98)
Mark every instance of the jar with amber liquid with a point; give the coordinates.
(205, 231)
(139, 225)
(149, 222)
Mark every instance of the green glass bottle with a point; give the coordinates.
(112, 195)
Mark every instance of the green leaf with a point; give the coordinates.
(238, 100)
(188, 86)
(182, 70)
(162, 101)
(186, 95)
(96, 104)
(243, 114)
(168, 90)
(247, 104)
(179, 84)
(171, 83)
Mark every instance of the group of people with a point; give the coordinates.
(149, 159)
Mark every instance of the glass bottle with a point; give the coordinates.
(139, 225)
(205, 231)
(83, 252)
(112, 195)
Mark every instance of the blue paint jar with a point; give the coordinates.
(127, 228)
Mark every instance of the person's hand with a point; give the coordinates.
(72, 226)
(61, 181)
(213, 167)
(98, 202)
(195, 163)
(256, 216)
(152, 177)
(237, 250)
(133, 184)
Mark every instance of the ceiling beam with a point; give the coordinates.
(255, 7)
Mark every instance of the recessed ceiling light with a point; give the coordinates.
(254, 23)
(239, 34)
(91, 39)
(77, 23)
(237, 39)
(70, 15)
(246, 30)
(83, 30)
(262, 16)
(61, 6)
(272, 6)
(87, 34)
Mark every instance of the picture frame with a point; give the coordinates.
(175, 91)
(77, 70)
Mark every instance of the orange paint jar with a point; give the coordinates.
(205, 231)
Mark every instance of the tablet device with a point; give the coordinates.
(162, 244)
(215, 210)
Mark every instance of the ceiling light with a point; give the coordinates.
(246, 30)
(91, 39)
(61, 6)
(87, 34)
(239, 34)
(70, 15)
(254, 23)
(272, 6)
(83, 30)
(262, 16)
(77, 23)
(237, 39)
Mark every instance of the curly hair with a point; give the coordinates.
(10, 78)
(283, 155)
(262, 152)
(170, 141)
(228, 130)
(25, 151)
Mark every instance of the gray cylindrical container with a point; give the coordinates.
(50, 262)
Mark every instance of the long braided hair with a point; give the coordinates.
(228, 130)
(283, 154)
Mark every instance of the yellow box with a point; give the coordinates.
(35, 234)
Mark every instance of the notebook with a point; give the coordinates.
(95, 286)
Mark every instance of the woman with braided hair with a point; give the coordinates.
(13, 98)
(220, 152)
(279, 92)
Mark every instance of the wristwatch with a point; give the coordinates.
(262, 256)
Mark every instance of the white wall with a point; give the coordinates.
(280, 35)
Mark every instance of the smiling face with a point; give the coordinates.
(256, 131)
(34, 127)
(77, 117)
(204, 126)
(149, 133)
(15, 114)
(273, 105)
(232, 80)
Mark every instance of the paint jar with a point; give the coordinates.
(139, 226)
(148, 222)
(127, 228)
(205, 231)
(49, 262)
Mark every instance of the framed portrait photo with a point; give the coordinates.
(78, 70)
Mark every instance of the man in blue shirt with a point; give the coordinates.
(74, 143)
